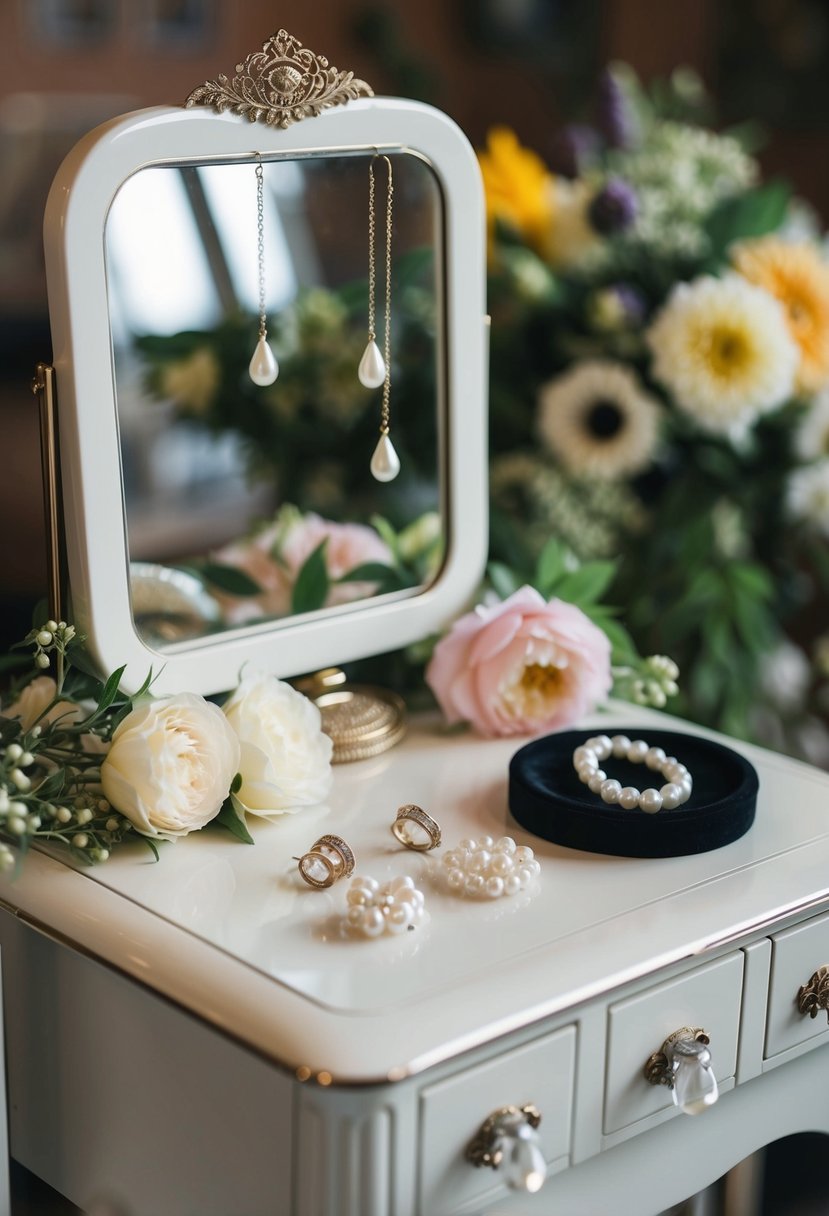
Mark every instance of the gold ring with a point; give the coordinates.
(328, 859)
(415, 829)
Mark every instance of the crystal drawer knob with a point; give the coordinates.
(507, 1140)
(814, 995)
(684, 1064)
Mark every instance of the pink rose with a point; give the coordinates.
(521, 667)
(349, 546)
(253, 558)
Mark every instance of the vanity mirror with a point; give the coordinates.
(220, 509)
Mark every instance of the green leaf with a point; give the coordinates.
(386, 533)
(109, 692)
(236, 784)
(230, 579)
(552, 565)
(312, 584)
(373, 572)
(587, 584)
(752, 214)
(228, 817)
(150, 843)
(503, 580)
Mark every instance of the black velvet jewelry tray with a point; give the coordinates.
(547, 798)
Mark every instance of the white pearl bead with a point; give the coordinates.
(402, 883)
(505, 845)
(374, 923)
(456, 879)
(478, 861)
(597, 781)
(621, 743)
(602, 746)
(474, 884)
(358, 895)
(650, 801)
(610, 791)
(354, 915)
(525, 875)
(637, 751)
(452, 858)
(671, 796)
(512, 884)
(629, 797)
(467, 846)
(534, 867)
(494, 887)
(585, 755)
(655, 758)
(501, 864)
(585, 772)
(486, 842)
(522, 855)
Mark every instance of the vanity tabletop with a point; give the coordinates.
(232, 933)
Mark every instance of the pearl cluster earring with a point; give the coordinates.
(395, 907)
(587, 758)
(487, 868)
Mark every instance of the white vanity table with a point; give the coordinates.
(193, 1036)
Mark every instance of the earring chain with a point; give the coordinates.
(384, 409)
(372, 272)
(260, 243)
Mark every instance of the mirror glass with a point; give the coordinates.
(247, 503)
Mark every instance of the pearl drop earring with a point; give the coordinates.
(263, 367)
(375, 368)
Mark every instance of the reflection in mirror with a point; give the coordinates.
(246, 502)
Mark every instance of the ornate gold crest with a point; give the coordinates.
(281, 84)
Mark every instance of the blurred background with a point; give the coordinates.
(66, 65)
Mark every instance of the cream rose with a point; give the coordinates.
(170, 765)
(285, 757)
(35, 699)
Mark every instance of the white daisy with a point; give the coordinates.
(598, 421)
(807, 495)
(812, 436)
(722, 348)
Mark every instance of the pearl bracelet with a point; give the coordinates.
(600, 747)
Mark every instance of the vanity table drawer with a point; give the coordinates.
(796, 955)
(451, 1112)
(708, 998)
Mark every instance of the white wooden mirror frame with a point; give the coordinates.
(93, 499)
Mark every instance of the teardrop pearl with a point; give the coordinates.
(263, 366)
(385, 463)
(372, 370)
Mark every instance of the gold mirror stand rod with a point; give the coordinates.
(43, 386)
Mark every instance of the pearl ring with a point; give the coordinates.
(415, 829)
(679, 783)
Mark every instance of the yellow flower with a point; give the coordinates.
(799, 278)
(519, 187)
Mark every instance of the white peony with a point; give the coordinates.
(170, 765)
(285, 756)
(722, 348)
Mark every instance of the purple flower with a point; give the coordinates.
(573, 149)
(614, 208)
(632, 303)
(616, 119)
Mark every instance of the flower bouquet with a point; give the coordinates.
(660, 397)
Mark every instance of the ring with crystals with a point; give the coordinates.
(415, 829)
(587, 761)
(328, 859)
